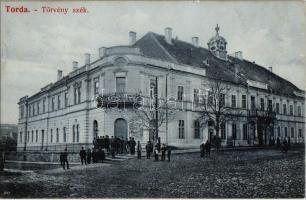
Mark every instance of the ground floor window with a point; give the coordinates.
(279, 131)
(234, 131)
(32, 137)
(181, 129)
(292, 132)
(78, 133)
(57, 135)
(73, 133)
(286, 131)
(223, 132)
(51, 135)
(245, 131)
(64, 135)
(196, 129)
(300, 133)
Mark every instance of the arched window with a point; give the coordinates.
(73, 133)
(64, 135)
(51, 135)
(95, 129)
(78, 133)
(57, 135)
(36, 137)
(32, 140)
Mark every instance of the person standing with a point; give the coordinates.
(278, 143)
(163, 152)
(138, 150)
(148, 150)
(83, 156)
(94, 155)
(65, 159)
(207, 147)
(88, 156)
(202, 149)
(168, 153)
(156, 152)
(133, 145)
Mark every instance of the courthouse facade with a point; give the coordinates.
(65, 114)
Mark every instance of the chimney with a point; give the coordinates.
(168, 35)
(59, 74)
(102, 52)
(270, 68)
(87, 58)
(132, 36)
(238, 55)
(74, 65)
(195, 41)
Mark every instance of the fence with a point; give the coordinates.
(56, 148)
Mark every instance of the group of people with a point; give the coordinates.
(157, 150)
(284, 145)
(115, 145)
(205, 148)
(94, 156)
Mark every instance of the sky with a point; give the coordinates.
(35, 45)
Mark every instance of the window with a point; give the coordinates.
(59, 102)
(181, 129)
(51, 135)
(52, 104)
(278, 131)
(196, 96)
(44, 105)
(28, 137)
(299, 111)
(234, 131)
(36, 137)
(222, 100)
(300, 133)
(277, 108)
(96, 88)
(286, 132)
(223, 132)
(77, 133)
(245, 131)
(291, 109)
(180, 93)
(253, 103)
(233, 101)
(243, 101)
(64, 135)
(20, 137)
(196, 129)
(57, 135)
(33, 110)
(66, 99)
(95, 128)
(120, 84)
(73, 133)
(32, 138)
(270, 105)
(262, 104)
(37, 108)
(292, 132)
(21, 111)
(77, 95)
(284, 109)
(152, 88)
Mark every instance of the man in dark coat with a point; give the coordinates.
(101, 155)
(163, 152)
(83, 156)
(148, 149)
(65, 158)
(94, 155)
(139, 150)
(88, 156)
(133, 145)
(202, 149)
(207, 147)
(278, 143)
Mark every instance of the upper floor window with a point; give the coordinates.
(253, 103)
(223, 131)
(180, 93)
(96, 88)
(270, 105)
(291, 109)
(284, 109)
(37, 108)
(196, 129)
(21, 111)
(181, 129)
(243, 101)
(57, 135)
(64, 135)
(196, 96)
(245, 131)
(262, 104)
(44, 105)
(77, 95)
(234, 101)
(66, 99)
(59, 102)
(32, 138)
(36, 136)
(52, 104)
(120, 84)
(33, 109)
(51, 135)
(277, 108)
(299, 111)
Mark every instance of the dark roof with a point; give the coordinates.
(155, 45)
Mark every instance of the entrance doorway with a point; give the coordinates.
(121, 128)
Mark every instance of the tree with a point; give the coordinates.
(215, 112)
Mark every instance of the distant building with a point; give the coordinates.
(9, 130)
(64, 113)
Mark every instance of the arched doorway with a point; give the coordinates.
(95, 129)
(120, 129)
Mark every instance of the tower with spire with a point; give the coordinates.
(217, 45)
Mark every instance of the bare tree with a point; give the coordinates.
(214, 111)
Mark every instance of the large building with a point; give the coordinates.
(64, 113)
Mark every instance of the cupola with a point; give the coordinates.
(217, 45)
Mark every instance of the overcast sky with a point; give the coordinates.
(34, 45)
